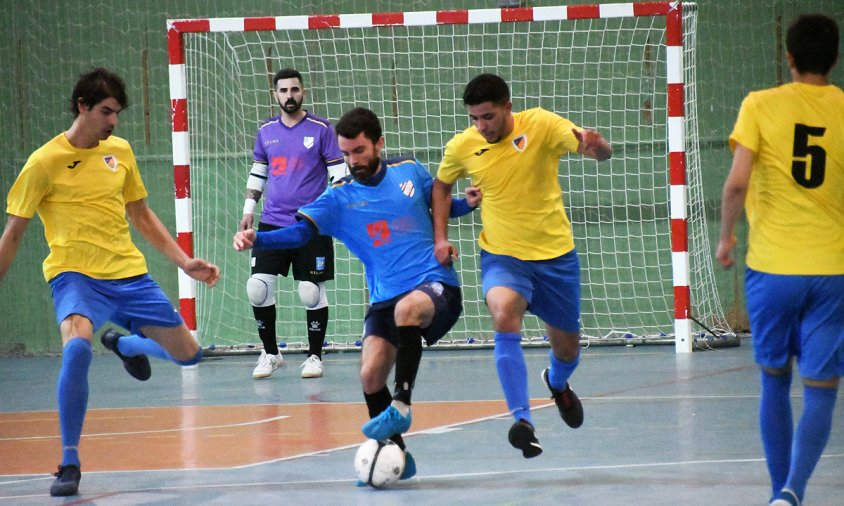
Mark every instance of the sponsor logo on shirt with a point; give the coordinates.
(407, 188)
(520, 142)
(308, 142)
(74, 164)
(110, 161)
(481, 151)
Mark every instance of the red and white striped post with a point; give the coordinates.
(676, 110)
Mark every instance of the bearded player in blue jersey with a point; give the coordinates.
(295, 157)
(382, 214)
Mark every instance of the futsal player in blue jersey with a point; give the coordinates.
(294, 158)
(382, 214)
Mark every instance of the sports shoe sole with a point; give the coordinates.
(522, 437)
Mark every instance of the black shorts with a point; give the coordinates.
(312, 262)
(448, 304)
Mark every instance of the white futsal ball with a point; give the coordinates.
(379, 463)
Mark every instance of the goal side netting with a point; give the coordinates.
(626, 70)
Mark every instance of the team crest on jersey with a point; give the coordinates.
(407, 188)
(308, 142)
(520, 142)
(111, 162)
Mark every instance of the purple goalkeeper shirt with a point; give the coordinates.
(297, 161)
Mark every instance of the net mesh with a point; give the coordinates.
(605, 74)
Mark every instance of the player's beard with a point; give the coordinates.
(363, 173)
(291, 106)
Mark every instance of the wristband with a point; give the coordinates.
(249, 206)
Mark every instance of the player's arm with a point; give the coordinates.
(440, 211)
(11, 241)
(732, 202)
(254, 189)
(294, 236)
(462, 207)
(145, 221)
(592, 144)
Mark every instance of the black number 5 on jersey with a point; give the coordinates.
(813, 177)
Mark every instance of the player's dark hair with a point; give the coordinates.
(812, 40)
(287, 73)
(359, 120)
(486, 88)
(95, 86)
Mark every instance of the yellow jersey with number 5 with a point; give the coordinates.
(522, 210)
(795, 203)
(80, 196)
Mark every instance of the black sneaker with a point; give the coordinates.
(567, 403)
(521, 436)
(66, 482)
(137, 366)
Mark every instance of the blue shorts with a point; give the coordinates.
(130, 302)
(801, 316)
(550, 287)
(448, 304)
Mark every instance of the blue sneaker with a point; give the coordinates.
(388, 423)
(409, 467)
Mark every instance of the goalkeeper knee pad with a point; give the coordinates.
(260, 288)
(313, 295)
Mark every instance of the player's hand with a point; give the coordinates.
(724, 252)
(592, 144)
(474, 196)
(245, 222)
(445, 253)
(202, 270)
(244, 239)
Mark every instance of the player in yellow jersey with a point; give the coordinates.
(528, 260)
(788, 172)
(83, 183)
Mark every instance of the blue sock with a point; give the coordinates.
(776, 426)
(560, 371)
(811, 436)
(512, 373)
(134, 345)
(73, 396)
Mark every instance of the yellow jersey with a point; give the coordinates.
(795, 203)
(522, 210)
(80, 196)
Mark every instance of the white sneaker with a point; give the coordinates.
(312, 367)
(266, 365)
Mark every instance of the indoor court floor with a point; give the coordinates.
(660, 429)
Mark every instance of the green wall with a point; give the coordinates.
(47, 43)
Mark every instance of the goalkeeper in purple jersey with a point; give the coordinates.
(382, 214)
(295, 157)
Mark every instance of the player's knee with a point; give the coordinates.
(78, 350)
(193, 360)
(260, 288)
(313, 295)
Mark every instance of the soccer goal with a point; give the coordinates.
(627, 70)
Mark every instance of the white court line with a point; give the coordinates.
(157, 431)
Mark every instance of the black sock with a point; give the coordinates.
(265, 318)
(317, 322)
(407, 362)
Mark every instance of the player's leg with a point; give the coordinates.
(773, 312)
(313, 265)
(156, 327)
(261, 289)
(821, 365)
(508, 290)
(556, 300)
(80, 306)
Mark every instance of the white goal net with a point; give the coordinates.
(603, 67)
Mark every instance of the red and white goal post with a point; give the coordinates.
(627, 70)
